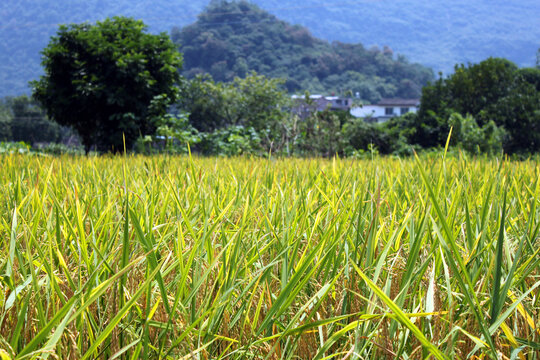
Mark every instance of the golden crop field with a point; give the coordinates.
(212, 258)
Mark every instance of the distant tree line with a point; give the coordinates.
(115, 85)
(23, 119)
(491, 107)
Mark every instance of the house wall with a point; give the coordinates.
(378, 111)
(319, 103)
(367, 110)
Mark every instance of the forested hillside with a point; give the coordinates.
(438, 34)
(435, 34)
(232, 38)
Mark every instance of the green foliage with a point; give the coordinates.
(22, 119)
(11, 147)
(232, 140)
(491, 91)
(519, 114)
(6, 119)
(531, 76)
(361, 136)
(254, 102)
(107, 80)
(205, 102)
(231, 38)
(402, 131)
(30, 123)
(391, 137)
(466, 133)
(477, 86)
(321, 134)
(412, 27)
(177, 133)
(59, 149)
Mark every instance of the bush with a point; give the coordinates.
(5, 125)
(474, 139)
(360, 135)
(14, 148)
(231, 141)
(59, 149)
(320, 134)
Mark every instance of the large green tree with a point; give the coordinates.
(108, 80)
(493, 91)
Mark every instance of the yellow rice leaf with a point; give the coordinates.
(4, 355)
(154, 308)
(508, 332)
(523, 312)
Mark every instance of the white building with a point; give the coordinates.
(386, 109)
(304, 108)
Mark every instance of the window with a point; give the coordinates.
(389, 111)
(404, 110)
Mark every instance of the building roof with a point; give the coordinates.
(317, 97)
(314, 97)
(399, 102)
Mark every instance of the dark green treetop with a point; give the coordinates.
(494, 90)
(108, 80)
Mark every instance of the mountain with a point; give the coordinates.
(437, 34)
(230, 39)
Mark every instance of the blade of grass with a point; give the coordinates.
(496, 301)
(122, 312)
(401, 316)
(456, 261)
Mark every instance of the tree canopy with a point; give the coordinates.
(108, 80)
(494, 90)
(254, 104)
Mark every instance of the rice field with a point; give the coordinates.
(212, 258)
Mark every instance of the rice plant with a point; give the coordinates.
(249, 258)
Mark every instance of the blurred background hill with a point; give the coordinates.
(435, 34)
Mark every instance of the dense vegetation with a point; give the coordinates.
(23, 119)
(435, 34)
(496, 95)
(113, 83)
(230, 39)
(492, 107)
(263, 258)
(253, 115)
(432, 33)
